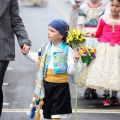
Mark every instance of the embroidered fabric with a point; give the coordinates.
(87, 13)
(107, 20)
(104, 72)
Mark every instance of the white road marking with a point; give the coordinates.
(97, 111)
(6, 104)
(9, 68)
(5, 84)
(15, 110)
(73, 110)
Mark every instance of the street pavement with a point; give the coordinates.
(21, 73)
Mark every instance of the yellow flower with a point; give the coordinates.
(81, 52)
(92, 50)
(68, 41)
(88, 47)
(81, 39)
(76, 38)
(70, 38)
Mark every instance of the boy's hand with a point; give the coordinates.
(25, 49)
(76, 56)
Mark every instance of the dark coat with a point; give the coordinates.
(10, 24)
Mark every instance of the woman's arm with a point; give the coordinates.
(17, 24)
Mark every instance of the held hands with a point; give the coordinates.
(90, 34)
(25, 49)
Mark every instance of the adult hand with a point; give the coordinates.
(25, 49)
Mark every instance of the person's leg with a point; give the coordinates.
(94, 93)
(87, 93)
(114, 93)
(114, 99)
(106, 92)
(106, 101)
(3, 67)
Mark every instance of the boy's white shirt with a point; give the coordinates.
(33, 57)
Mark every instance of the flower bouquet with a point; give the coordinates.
(76, 38)
(87, 54)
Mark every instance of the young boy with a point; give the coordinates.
(58, 63)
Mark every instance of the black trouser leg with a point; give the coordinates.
(87, 90)
(3, 67)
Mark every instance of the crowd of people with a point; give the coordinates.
(100, 20)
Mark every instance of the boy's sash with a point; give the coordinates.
(39, 92)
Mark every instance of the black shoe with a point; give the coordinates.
(86, 95)
(94, 95)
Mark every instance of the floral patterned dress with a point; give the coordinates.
(89, 17)
(104, 71)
